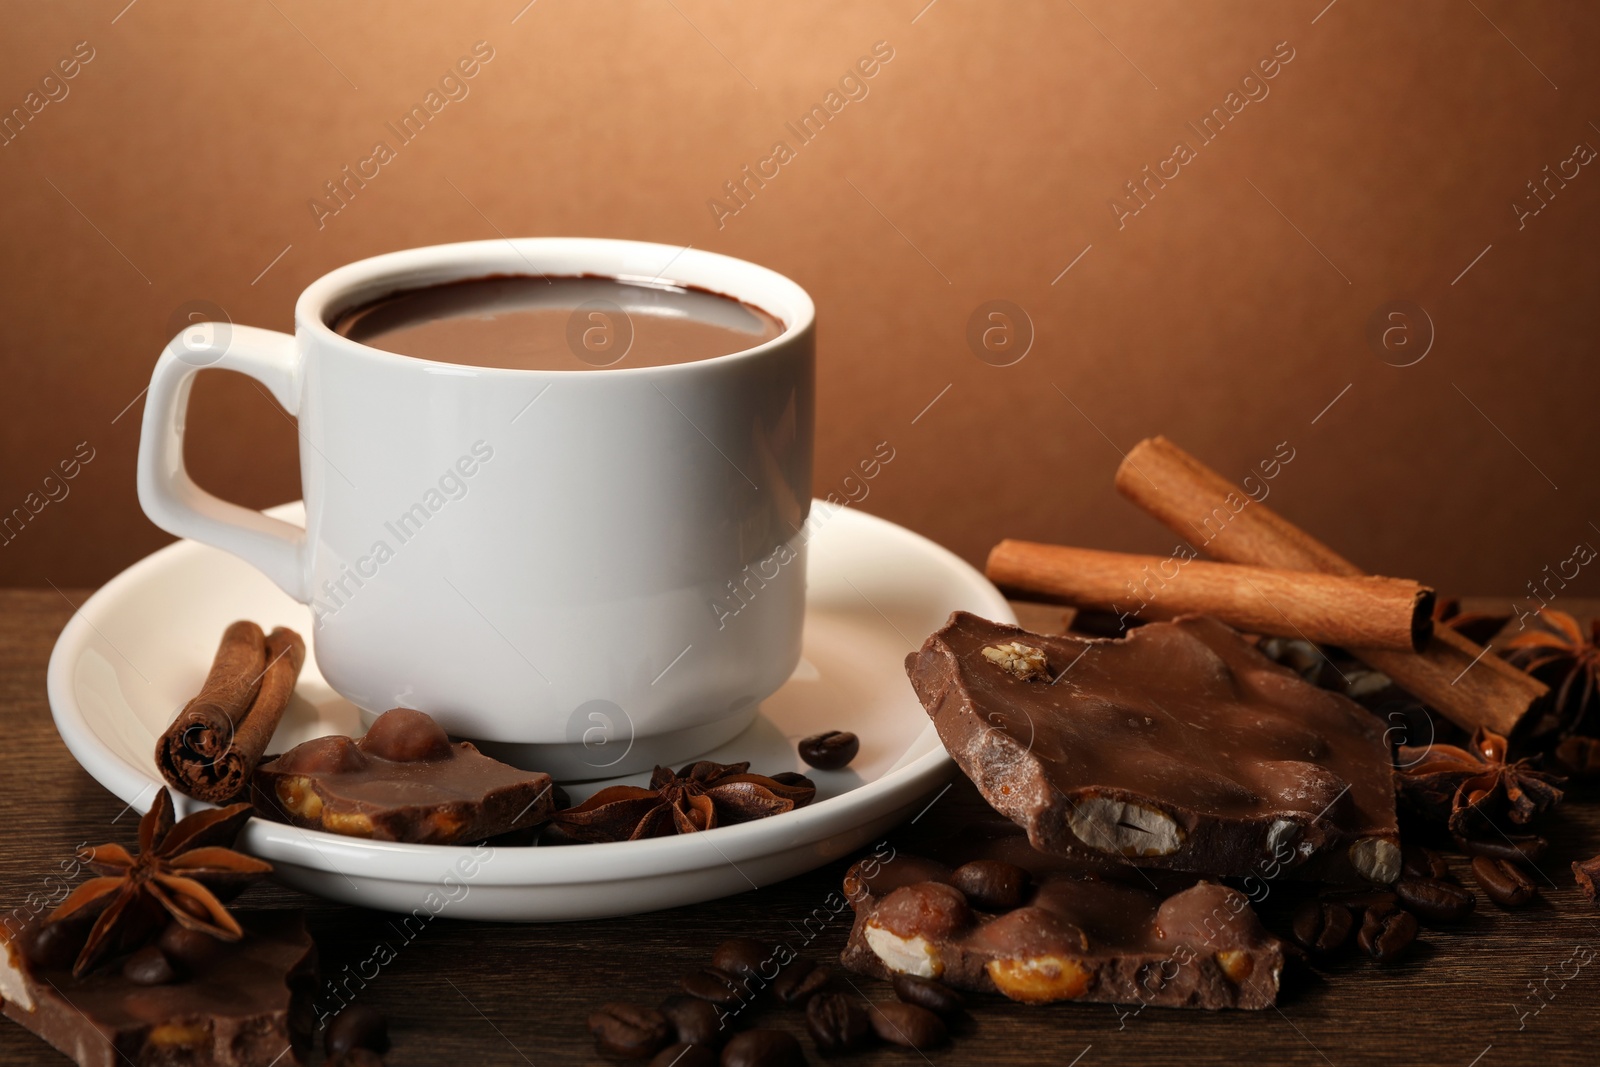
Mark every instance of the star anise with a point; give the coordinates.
(1559, 654)
(180, 870)
(1476, 626)
(702, 796)
(1474, 786)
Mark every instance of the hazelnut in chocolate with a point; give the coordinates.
(1061, 930)
(403, 781)
(1179, 746)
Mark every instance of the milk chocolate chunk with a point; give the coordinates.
(1179, 746)
(1081, 933)
(403, 781)
(246, 1004)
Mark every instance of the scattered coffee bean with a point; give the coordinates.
(628, 1030)
(1419, 862)
(1524, 849)
(358, 1026)
(908, 1025)
(715, 985)
(992, 885)
(830, 750)
(742, 957)
(685, 1055)
(1386, 933)
(695, 1021)
(1503, 881)
(927, 993)
(355, 1057)
(186, 948)
(149, 966)
(800, 981)
(1321, 926)
(838, 1023)
(763, 1048)
(1435, 900)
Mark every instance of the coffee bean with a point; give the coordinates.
(992, 885)
(763, 1048)
(743, 957)
(831, 750)
(355, 1057)
(358, 1026)
(186, 948)
(799, 981)
(926, 993)
(51, 944)
(1435, 900)
(1321, 926)
(1386, 933)
(1419, 862)
(695, 1021)
(908, 1025)
(1524, 849)
(628, 1030)
(1503, 881)
(715, 985)
(149, 966)
(838, 1023)
(685, 1055)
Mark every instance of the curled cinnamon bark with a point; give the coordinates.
(213, 746)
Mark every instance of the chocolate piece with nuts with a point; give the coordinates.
(1094, 936)
(1178, 746)
(246, 1003)
(403, 781)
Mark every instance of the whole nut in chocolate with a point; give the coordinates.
(830, 750)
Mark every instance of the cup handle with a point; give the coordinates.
(166, 492)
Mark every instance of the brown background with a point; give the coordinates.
(1227, 314)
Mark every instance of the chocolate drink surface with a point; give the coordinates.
(534, 322)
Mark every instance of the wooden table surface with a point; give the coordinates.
(465, 993)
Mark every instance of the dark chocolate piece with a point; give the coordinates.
(1081, 934)
(1179, 746)
(247, 1004)
(403, 781)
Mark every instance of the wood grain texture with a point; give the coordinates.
(1351, 611)
(480, 993)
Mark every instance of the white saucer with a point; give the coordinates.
(140, 646)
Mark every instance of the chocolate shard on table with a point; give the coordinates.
(186, 999)
(1179, 746)
(1075, 931)
(404, 781)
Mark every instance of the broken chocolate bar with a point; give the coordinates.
(188, 999)
(1072, 933)
(1179, 746)
(403, 781)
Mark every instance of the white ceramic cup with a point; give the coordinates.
(588, 572)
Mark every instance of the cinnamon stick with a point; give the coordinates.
(213, 746)
(1352, 612)
(1450, 674)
